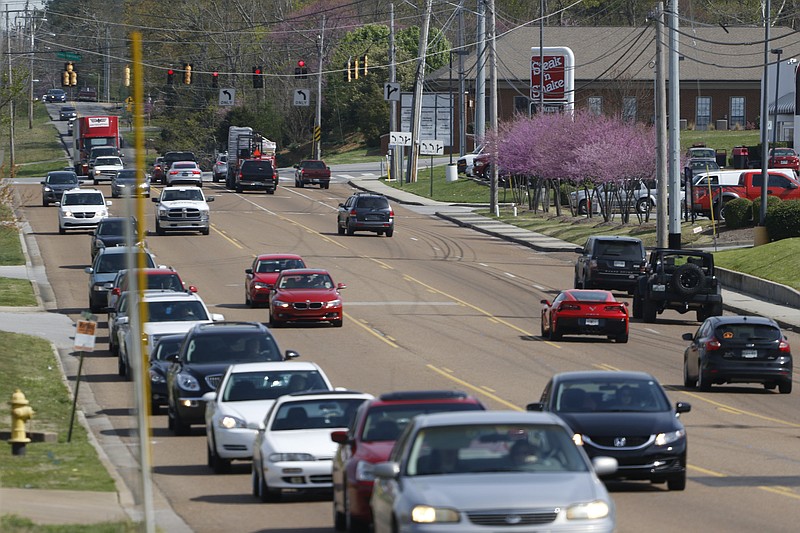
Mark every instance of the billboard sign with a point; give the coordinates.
(553, 71)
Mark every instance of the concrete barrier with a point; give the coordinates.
(759, 288)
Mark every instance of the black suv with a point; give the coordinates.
(682, 280)
(171, 157)
(56, 182)
(365, 211)
(610, 263)
(112, 231)
(203, 359)
(257, 174)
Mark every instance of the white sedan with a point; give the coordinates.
(247, 391)
(293, 449)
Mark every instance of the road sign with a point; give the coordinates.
(431, 147)
(391, 91)
(301, 97)
(399, 138)
(84, 335)
(69, 56)
(227, 96)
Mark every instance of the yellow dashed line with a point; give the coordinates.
(363, 324)
(475, 388)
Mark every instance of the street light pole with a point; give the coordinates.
(777, 52)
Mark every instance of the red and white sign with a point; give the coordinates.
(553, 73)
(98, 122)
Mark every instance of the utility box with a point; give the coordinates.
(722, 157)
(741, 155)
(721, 124)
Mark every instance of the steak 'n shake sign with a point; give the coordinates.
(553, 72)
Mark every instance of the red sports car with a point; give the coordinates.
(305, 295)
(261, 276)
(585, 312)
(378, 423)
(784, 158)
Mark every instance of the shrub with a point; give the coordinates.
(739, 213)
(783, 220)
(772, 203)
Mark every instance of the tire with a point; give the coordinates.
(582, 208)
(350, 231)
(45, 203)
(270, 191)
(327, 185)
(179, 427)
(205, 231)
(702, 383)
(299, 184)
(637, 307)
(94, 182)
(238, 189)
(688, 279)
(274, 323)
(677, 482)
(217, 463)
(159, 229)
(621, 339)
(688, 382)
(380, 233)
(120, 366)
(61, 231)
(254, 481)
(339, 229)
(554, 334)
(715, 310)
(644, 205)
(390, 232)
(265, 494)
(155, 408)
(785, 387)
(248, 302)
(720, 211)
(338, 323)
(649, 311)
(339, 521)
(543, 332)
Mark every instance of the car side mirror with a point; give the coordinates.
(121, 321)
(578, 250)
(339, 437)
(209, 199)
(248, 271)
(41, 182)
(682, 407)
(174, 358)
(88, 270)
(216, 317)
(108, 203)
(340, 286)
(154, 199)
(192, 288)
(209, 396)
(544, 302)
(687, 336)
(535, 406)
(341, 205)
(291, 354)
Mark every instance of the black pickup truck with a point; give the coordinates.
(257, 174)
(682, 280)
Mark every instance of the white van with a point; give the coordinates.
(719, 177)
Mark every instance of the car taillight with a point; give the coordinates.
(784, 346)
(570, 307)
(712, 344)
(173, 171)
(353, 212)
(391, 212)
(593, 264)
(615, 308)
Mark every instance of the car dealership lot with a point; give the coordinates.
(436, 305)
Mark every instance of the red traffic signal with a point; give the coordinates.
(300, 70)
(301, 63)
(258, 81)
(170, 77)
(215, 79)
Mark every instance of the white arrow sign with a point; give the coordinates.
(431, 147)
(391, 91)
(227, 96)
(301, 97)
(399, 138)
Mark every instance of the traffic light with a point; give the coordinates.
(67, 75)
(170, 76)
(215, 79)
(347, 72)
(355, 69)
(301, 71)
(187, 73)
(127, 77)
(364, 64)
(258, 80)
(73, 78)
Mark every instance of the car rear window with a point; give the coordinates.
(632, 251)
(184, 165)
(314, 165)
(385, 422)
(373, 202)
(257, 168)
(748, 332)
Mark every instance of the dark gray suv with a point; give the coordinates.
(54, 185)
(610, 263)
(366, 211)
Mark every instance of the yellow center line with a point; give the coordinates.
(229, 239)
(481, 390)
(734, 410)
(777, 489)
(371, 331)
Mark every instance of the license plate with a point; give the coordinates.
(783, 162)
(619, 264)
(184, 173)
(749, 354)
(659, 288)
(592, 322)
(373, 217)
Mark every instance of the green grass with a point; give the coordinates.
(38, 150)
(720, 139)
(463, 190)
(776, 261)
(10, 247)
(28, 363)
(16, 293)
(17, 524)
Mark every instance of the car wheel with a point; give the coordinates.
(353, 525)
(649, 311)
(688, 279)
(380, 233)
(688, 381)
(339, 521)
(61, 231)
(239, 189)
(205, 231)
(327, 185)
(270, 191)
(339, 229)
(637, 307)
(94, 181)
(582, 209)
(350, 231)
(179, 427)
(255, 482)
(643, 205)
(299, 184)
(542, 328)
(337, 323)
(785, 387)
(218, 464)
(390, 232)
(621, 339)
(702, 382)
(273, 323)
(159, 229)
(120, 366)
(45, 203)
(247, 301)
(266, 494)
(677, 482)
(554, 334)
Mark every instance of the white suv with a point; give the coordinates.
(168, 313)
(81, 209)
(183, 209)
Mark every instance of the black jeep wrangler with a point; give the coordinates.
(682, 280)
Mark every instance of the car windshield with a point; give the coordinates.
(744, 332)
(277, 265)
(217, 348)
(166, 349)
(108, 161)
(182, 194)
(62, 178)
(306, 281)
(385, 422)
(114, 227)
(467, 449)
(323, 413)
(628, 251)
(127, 175)
(702, 152)
(181, 311)
(704, 165)
(107, 263)
(269, 384)
(610, 395)
(83, 198)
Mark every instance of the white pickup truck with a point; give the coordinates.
(182, 209)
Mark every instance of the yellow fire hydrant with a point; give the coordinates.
(21, 412)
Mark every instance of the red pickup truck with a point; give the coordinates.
(312, 171)
(749, 186)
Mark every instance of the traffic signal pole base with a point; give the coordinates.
(674, 241)
(760, 235)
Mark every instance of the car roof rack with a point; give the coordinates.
(423, 395)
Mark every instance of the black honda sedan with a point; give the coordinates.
(624, 415)
(738, 349)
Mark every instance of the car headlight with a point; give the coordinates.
(48, 189)
(333, 303)
(588, 511)
(68, 213)
(662, 439)
(162, 211)
(425, 514)
(99, 287)
(284, 457)
(188, 382)
(156, 377)
(103, 212)
(365, 471)
(279, 303)
(230, 422)
(259, 285)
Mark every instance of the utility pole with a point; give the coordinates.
(674, 238)
(661, 131)
(11, 155)
(318, 118)
(462, 108)
(411, 171)
(760, 236)
(493, 110)
(480, 75)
